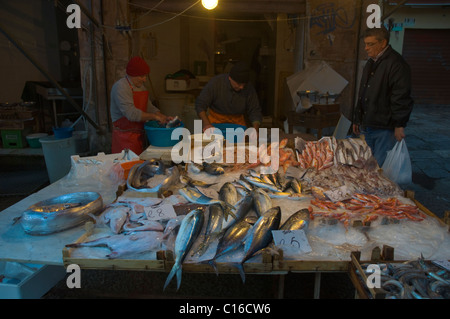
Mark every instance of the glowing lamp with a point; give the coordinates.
(210, 4)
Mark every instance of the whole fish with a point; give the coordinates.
(243, 182)
(193, 182)
(213, 168)
(261, 201)
(194, 196)
(232, 239)
(38, 220)
(189, 230)
(260, 183)
(242, 209)
(125, 244)
(213, 228)
(228, 193)
(296, 186)
(286, 195)
(260, 236)
(298, 220)
(173, 177)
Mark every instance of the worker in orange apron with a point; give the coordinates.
(131, 108)
(229, 98)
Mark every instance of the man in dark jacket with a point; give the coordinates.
(384, 102)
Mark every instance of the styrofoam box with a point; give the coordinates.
(35, 285)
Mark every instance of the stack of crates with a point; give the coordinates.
(16, 122)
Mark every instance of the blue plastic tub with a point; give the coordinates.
(238, 138)
(62, 132)
(160, 136)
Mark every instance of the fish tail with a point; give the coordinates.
(213, 264)
(179, 273)
(171, 275)
(240, 267)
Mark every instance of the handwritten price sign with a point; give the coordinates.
(292, 241)
(160, 212)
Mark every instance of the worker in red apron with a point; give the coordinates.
(229, 98)
(131, 108)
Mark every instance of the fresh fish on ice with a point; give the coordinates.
(213, 228)
(232, 239)
(261, 201)
(189, 230)
(260, 236)
(126, 244)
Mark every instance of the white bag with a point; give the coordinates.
(397, 166)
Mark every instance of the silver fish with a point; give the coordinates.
(194, 196)
(174, 122)
(173, 177)
(298, 220)
(242, 209)
(38, 220)
(125, 244)
(244, 183)
(286, 195)
(260, 183)
(232, 239)
(296, 186)
(193, 183)
(213, 228)
(189, 230)
(261, 200)
(260, 236)
(228, 193)
(213, 168)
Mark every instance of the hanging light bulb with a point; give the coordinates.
(210, 4)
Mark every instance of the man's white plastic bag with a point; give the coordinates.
(397, 166)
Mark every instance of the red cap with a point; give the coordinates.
(137, 67)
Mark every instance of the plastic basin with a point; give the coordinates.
(160, 136)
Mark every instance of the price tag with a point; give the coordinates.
(160, 212)
(294, 241)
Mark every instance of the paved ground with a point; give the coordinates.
(428, 141)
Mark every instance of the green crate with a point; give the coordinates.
(13, 139)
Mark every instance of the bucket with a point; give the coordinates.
(57, 155)
(33, 139)
(172, 104)
(160, 136)
(63, 132)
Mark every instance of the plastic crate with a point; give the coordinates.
(13, 139)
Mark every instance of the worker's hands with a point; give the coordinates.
(399, 133)
(163, 119)
(207, 126)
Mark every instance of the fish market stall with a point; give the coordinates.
(326, 200)
(325, 206)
